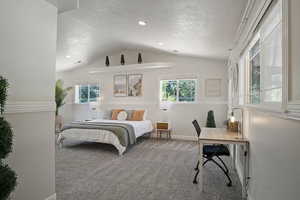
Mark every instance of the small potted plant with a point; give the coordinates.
(210, 122)
(8, 178)
(60, 95)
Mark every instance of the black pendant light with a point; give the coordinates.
(140, 60)
(122, 59)
(107, 61)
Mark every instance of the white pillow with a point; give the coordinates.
(145, 114)
(122, 116)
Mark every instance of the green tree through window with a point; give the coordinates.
(94, 93)
(178, 90)
(169, 90)
(83, 94)
(86, 93)
(187, 90)
(255, 84)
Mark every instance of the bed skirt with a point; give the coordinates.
(92, 135)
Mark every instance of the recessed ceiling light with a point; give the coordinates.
(142, 23)
(160, 43)
(68, 56)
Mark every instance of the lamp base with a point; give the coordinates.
(233, 126)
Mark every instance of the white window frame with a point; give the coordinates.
(77, 91)
(177, 90)
(242, 85)
(248, 71)
(272, 106)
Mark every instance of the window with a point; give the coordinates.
(94, 93)
(183, 90)
(265, 60)
(271, 50)
(86, 93)
(254, 67)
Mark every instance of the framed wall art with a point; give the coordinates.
(213, 87)
(120, 85)
(135, 83)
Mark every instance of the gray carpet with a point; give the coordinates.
(151, 170)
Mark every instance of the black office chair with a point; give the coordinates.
(211, 151)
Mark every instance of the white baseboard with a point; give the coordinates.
(180, 137)
(52, 197)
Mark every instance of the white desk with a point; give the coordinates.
(223, 136)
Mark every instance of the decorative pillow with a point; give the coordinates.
(145, 115)
(137, 115)
(114, 113)
(122, 115)
(129, 114)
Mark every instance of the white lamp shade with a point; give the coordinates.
(232, 119)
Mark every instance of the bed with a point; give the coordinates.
(119, 133)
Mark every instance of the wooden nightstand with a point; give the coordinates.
(161, 128)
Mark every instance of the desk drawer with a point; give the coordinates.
(162, 125)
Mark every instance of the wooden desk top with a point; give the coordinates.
(220, 135)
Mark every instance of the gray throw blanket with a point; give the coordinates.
(124, 132)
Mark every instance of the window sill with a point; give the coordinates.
(219, 102)
(274, 112)
(192, 102)
(81, 103)
(266, 108)
(77, 103)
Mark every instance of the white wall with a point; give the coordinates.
(181, 115)
(27, 60)
(274, 138)
(274, 157)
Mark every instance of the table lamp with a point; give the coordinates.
(233, 120)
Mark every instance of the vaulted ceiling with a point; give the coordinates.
(89, 29)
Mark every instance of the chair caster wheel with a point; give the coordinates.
(195, 182)
(229, 184)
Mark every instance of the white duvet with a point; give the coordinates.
(105, 136)
(140, 127)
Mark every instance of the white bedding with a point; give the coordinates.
(104, 136)
(140, 127)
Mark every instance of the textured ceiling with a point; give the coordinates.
(204, 28)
